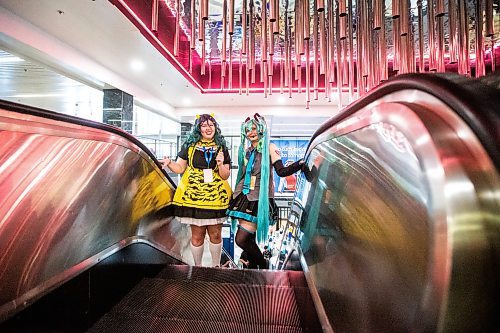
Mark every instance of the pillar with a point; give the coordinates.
(118, 109)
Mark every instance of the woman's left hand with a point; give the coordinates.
(220, 158)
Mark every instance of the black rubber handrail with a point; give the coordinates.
(25, 109)
(474, 101)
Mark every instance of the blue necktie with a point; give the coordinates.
(248, 173)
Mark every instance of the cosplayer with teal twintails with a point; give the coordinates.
(252, 205)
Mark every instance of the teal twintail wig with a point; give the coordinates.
(263, 148)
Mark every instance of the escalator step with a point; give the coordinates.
(150, 297)
(213, 302)
(228, 327)
(124, 323)
(222, 275)
(185, 298)
(176, 272)
(127, 323)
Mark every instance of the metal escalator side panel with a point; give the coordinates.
(68, 193)
(397, 212)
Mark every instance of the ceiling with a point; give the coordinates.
(77, 44)
(79, 47)
(26, 82)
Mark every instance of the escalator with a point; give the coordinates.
(88, 242)
(194, 299)
(135, 290)
(395, 219)
(399, 208)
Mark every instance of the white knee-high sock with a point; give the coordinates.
(215, 251)
(197, 252)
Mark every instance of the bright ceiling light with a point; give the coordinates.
(186, 101)
(301, 124)
(137, 65)
(35, 95)
(293, 130)
(281, 99)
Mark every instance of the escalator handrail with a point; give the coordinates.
(34, 111)
(475, 102)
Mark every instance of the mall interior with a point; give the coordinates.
(391, 225)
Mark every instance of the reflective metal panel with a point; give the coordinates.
(398, 211)
(68, 193)
(357, 229)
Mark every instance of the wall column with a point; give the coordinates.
(117, 108)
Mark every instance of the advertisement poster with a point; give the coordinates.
(290, 151)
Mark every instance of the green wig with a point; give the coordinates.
(195, 134)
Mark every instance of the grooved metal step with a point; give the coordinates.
(221, 275)
(125, 323)
(196, 299)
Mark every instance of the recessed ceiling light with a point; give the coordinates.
(186, 101)
(137, 65)
(35, 95)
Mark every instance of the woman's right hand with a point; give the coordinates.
(166, 162)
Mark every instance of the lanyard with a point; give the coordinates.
(208, 158)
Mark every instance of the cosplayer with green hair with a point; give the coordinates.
(253, 205)
(203, 193)
(195, 135)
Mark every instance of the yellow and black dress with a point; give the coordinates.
(200, 200)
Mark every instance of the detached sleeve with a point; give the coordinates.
(286, 171)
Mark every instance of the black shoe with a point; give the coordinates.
(266, 266)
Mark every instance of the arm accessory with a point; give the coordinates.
(283, 171)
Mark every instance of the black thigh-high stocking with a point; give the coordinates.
(246, 241)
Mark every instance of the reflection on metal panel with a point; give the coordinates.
(68, 193)
(397, 211)
(360, 203)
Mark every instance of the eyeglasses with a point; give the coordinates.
(207, 124)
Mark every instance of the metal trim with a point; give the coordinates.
(320, 310)
(30, 297)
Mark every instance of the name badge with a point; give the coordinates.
(252, 182)
(208, 176)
